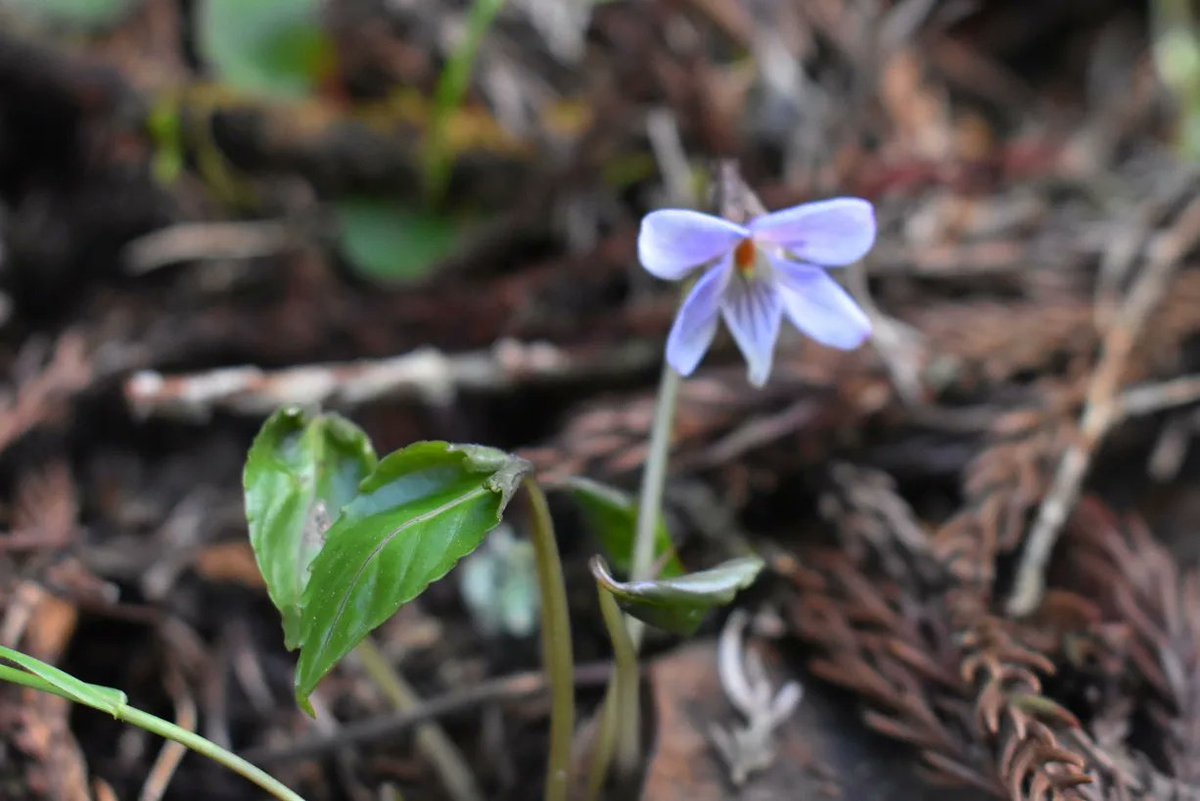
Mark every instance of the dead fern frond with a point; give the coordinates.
(897, 626)
(1135, 581)
(41, 396)
(1033, 762)
(1003, 485)
(897, 657)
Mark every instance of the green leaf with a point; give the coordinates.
(105, 699)
(275, 48)
(679, 605)
(80, 13)
(452, 87)
(389, 242)
(612, 515)
(422, 509)
(301, 468)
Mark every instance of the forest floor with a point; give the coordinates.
(184, 250)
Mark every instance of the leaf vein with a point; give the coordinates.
(408, 524)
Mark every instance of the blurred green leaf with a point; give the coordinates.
(103, 698)
(301, 468)
(679, 605)
(81, 13)
(499, 585)
(389, 242)
(165, 127)
(612, 515)
(1176, 50)
(422, 509)
(275, 48)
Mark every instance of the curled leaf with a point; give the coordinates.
(678, 605)
(301, 470)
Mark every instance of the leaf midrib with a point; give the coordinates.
(421, 518)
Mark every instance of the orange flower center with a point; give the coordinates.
(744, 256)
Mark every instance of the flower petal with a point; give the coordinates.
(753, 312)
(696, 322)
(672, 242)
(819, 307)
(830, 232)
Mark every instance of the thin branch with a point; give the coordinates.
(519, 686)
(426, 374)
(439, 749)
(1102, 409)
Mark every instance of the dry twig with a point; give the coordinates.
(1102, 408)
(425, 374)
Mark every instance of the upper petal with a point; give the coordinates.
(819, 307)
(696, 322)
(752, 311)
(830, 232)
(672, 242)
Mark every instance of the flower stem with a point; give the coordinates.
(167, 730)
(622, 693)
(556, 644)
(456, 775)
(654, 479)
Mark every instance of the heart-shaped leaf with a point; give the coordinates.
(388, 242)
(275, 48)
(301, 470)
(612, 515)
(422, 509)
(105, 699)
(679, 605)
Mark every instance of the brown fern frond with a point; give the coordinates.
(42, 394)
(1135, 581)
(46, 511)
(896, 626)
(1034, 764)
(894, 663)
(1004, 484)
(976, 337)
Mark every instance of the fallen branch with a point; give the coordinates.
(425, 374)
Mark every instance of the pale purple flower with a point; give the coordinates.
(759, 272)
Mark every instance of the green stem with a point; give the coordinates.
(622, 693)
(556, 644)
(165, 729)
(452, 85)
(654, 480)
(605, 740)
(456, 775)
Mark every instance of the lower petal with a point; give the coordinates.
(819, 307)
(696, 322)
(752, 311)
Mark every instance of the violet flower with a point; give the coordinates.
(757, 273)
